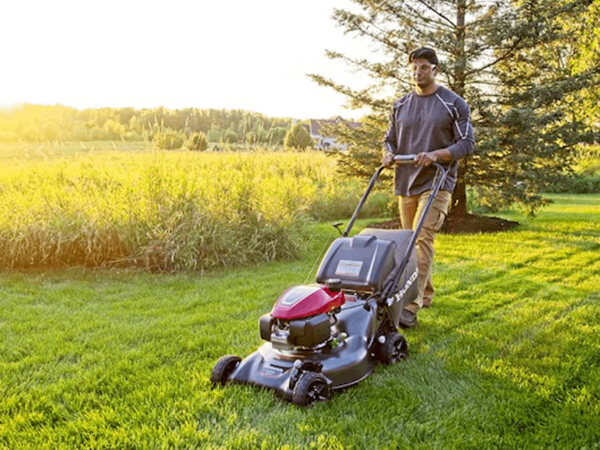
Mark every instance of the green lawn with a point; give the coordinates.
(507, 358)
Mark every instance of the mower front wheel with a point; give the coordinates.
(394, 349)
(311, 388)
(223, 368)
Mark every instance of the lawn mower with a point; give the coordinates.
(330, 335)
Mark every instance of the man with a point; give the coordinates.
(434, 124)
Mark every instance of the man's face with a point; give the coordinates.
(423, 72)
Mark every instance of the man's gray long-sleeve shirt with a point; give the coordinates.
(424, 124)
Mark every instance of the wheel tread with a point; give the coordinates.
(303, 391)
(394, 349)
(223, 368)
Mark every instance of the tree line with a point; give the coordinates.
(174, 126)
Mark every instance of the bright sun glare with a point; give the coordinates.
(232, 54)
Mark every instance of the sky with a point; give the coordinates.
(224, 54)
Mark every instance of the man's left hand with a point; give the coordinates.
(425, 159)
(441, 155)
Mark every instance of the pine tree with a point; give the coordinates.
(494, 54)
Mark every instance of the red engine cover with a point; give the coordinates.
(304, 301)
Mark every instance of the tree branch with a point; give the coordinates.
(437, 13)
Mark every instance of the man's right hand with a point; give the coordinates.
(388, 159)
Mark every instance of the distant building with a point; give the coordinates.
(327, 142)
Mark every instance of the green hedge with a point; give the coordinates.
(575, 184)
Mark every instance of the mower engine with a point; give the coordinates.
(302, 317)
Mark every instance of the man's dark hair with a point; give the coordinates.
(423, 53)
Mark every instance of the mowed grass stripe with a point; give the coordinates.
(507, 357)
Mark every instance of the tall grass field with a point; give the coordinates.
(68, 206)
(506, 358)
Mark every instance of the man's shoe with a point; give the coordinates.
(408, 319)
(427, 304)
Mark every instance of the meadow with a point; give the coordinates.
(85, 205)
(507, 357)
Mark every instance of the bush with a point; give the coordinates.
(114, 130)
(575, 184)
(298, 138)
(230, 137)
(168, 139)
(50, 131)
(197, 142)
(585, 178)
(27, 132)
(277, 135)
(214, 134)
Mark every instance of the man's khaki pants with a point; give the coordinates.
(411, 210)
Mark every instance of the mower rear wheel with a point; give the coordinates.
(311, 388)
(394, 349)
(223, 368)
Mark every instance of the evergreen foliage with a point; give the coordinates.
(508, 60)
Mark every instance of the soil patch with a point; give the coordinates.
(470, 223)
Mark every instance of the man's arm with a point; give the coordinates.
(389, 143)
(464, 141)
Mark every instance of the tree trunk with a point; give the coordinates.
(461, 56)
(458, 206)
(459, 198)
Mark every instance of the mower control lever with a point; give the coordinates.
(337, 226)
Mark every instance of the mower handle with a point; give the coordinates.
(404, 159)
(438, 181)
(363, 200)
(398, 159)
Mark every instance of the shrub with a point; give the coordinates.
(277, 135)
(114, 130)
(168, 139)
(50, 131)
(298, 138)
(575, 184)
(251, 138)
(230, 137)
(585, 175)
(27, 132)
(214, 134)
(197, 142)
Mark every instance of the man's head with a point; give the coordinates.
(424, 65)
(424, 53)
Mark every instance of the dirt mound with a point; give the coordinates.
(469, 223)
